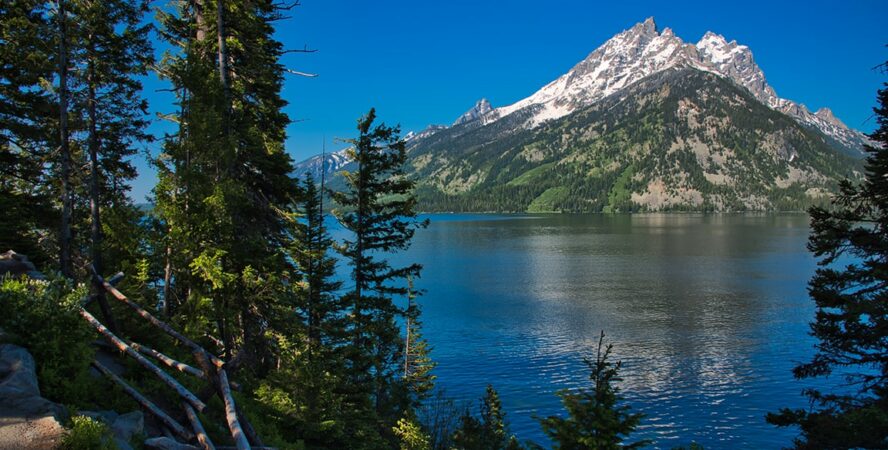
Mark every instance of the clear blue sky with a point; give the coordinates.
(422, 62)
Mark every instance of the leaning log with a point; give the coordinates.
(168, 421)
(154, 320)
(253, 448)
(169, 362)
(252, 435)
(198, 428)
(237, 433)
(123, 347)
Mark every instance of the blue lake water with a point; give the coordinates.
(708, 313)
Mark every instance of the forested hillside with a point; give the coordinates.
(681, 139)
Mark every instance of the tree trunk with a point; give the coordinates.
(199, 20)
(223, 62)
(202, 437)
(64, 147)
(94, 194)
(123, 347)
(168, 421)
(167, 278)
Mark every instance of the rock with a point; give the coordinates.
(165, 443)
(122, 445)
(15, 264)
(128, 425)
(107, 417)
(18, 385)
(27, 420)
(21, 433)
(124, 427)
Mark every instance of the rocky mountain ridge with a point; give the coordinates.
(641, 51)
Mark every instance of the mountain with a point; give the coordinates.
(481, 109)
(680, 139)
(642, 51)
(644, 122)
(329, 162)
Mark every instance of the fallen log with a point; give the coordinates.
(254, 448)
(180, 366)
(252, 435)
(168, 421)
(198, 428)
(123, 347)
(169, 362)
(237, 433)
(154, 320)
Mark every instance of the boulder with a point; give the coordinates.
(128, 425)
(107, 416)
(165, 443)
(124, 427)
(18, 385)
(27, 420)
(14, 264)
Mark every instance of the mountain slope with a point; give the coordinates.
(680, 139)
(641, 51)
(729, 143)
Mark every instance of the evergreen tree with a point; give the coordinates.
(224, 182)
(411, 435)
(377, 207)
(27, 119)
(850, 289)
(418, 365)
(489, 432)
(116, 51)
(595, 418)
(323, 310)
(64, 160)
(316, 360)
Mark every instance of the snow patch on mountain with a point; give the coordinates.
(328, 164)
(481, 108)
(641, 51)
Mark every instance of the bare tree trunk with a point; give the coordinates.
(64, 147)
(223, 58)
(167, 278)
(96, 221)
(94, 194)
(168, 421)
(199, 19)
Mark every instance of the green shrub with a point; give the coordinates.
(42, 316)
(87, 433)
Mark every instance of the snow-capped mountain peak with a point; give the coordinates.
(827, 115)
(328, 163)
(624, 59)
(481, 108)
(641, 51)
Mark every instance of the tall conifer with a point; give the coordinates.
(850, 289)
(225, 181)
(377, 207)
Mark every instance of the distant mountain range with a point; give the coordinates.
(646, 122)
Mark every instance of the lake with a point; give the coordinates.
(708, 313)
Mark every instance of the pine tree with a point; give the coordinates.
(377, 207)
(224, 178)
(850, 289)
(116, 52)
(418, 365)
(27, 119)
(65, 159)
(489, 432)
(323, 310)
(595, 419)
